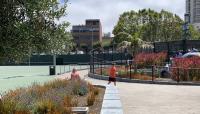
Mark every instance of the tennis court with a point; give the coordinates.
(12, 77)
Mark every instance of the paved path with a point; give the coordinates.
(154, 99)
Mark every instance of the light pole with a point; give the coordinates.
(92, 30)
(185, 29)
(92, 38)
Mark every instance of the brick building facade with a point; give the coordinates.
(87, 34)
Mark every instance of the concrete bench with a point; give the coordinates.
(80, 110)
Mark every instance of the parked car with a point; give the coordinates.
(191, 54)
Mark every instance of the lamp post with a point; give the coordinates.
(185, 30)
(92, 59)
(92, 30)
(113, 49)
(92, 38)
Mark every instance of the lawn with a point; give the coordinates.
(12, 77)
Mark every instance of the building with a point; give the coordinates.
(87, 34)
(193, 11)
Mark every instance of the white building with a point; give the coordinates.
(193, 10)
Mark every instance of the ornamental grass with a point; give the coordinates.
(54, 97)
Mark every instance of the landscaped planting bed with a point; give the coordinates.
(186, 69)
(55, 97)
(123, 72)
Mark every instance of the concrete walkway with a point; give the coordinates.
(154, 99)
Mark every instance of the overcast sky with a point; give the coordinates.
(108, 11)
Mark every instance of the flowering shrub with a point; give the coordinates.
(188, 69)
(146, 59)
(55, 97)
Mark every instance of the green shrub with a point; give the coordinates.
(121, 72)
(142, 72)
(105, 72)
(82, 91)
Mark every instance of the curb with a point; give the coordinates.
(111, 101)
(101, 77)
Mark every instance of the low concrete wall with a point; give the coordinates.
(111, 102)
(101, 77)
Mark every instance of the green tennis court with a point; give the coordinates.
(12, 77)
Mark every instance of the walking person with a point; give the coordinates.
(75, 75)
(112, 76)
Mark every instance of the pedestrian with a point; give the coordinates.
(75, 75)
(112, 76)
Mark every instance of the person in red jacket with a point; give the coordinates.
(112, 76)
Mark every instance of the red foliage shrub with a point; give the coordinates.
(147, 59)
(188, 69)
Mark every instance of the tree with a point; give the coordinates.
(97, 45)
(149, 25)
(133, 43)
(28, 26)
(195, 34)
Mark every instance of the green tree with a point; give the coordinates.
(97, 45)
(28, 26)
(195, 34)
(149, 25)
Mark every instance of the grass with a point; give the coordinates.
(91, 99)
(93, 93)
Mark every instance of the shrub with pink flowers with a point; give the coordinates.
(186, 69)
(147, 59)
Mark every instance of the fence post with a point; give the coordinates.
(126, 67)
(178, 77)
(64, 69)
(60, 70)
(152, 74)
(130, 71)
(101, 68)
(90, 65)
(93, 61)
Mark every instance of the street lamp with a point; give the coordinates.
(113, 49)
(92, 59)
(92, 30)
(186, 30)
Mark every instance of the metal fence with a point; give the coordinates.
(128, 69)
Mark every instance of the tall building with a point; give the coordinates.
(87, 34)
(193, 11)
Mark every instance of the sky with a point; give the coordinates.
(108, 11)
